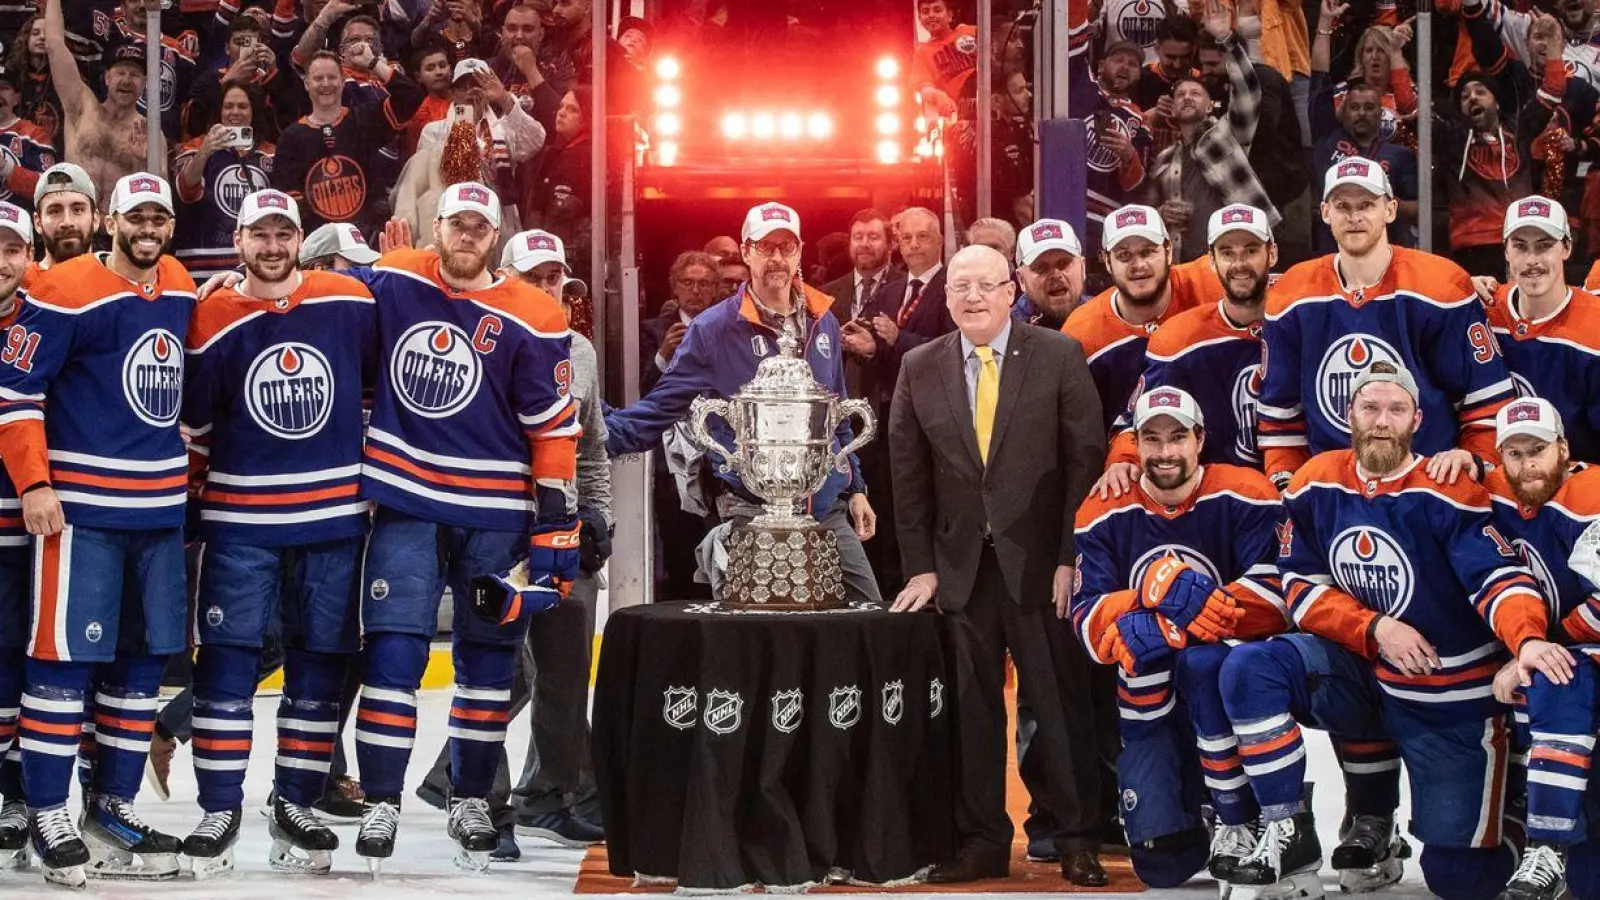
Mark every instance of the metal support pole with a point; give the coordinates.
(985, 112)
(599, 221)
(1425, 124)
(156, 152)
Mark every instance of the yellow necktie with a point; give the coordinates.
(986, 398)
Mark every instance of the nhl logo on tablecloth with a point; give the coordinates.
(894, 701)
(680, 707)
(844, 707)
(724, 711)
(788, 708)
(935, 698)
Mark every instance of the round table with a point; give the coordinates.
(736, 749)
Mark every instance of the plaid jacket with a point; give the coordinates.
(1222, 148)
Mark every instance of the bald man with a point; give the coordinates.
(989, 468)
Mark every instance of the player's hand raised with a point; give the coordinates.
(1554, 660)
(1404, 647)
(1485, 286)
(41, 511)
(396, 235)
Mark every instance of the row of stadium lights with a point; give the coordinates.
(765, 125)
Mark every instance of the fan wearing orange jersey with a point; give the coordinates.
(942, 65)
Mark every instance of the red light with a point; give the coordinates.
(734, 126)
(667, 153)
(888, 68)
(888, 152)
(819, 126)
(790, 126)
(667, 68)
(669, 124)
(888, 124)
(763, 126)
(888, 95)
(668, 95)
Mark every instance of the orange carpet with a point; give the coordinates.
(594, 875)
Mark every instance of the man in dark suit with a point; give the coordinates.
(918, 314)
(873, 288)
(995, 438)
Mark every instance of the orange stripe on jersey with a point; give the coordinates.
(1124, 447)
(1105, 614)
(481, 715)
(166, 482)
(47, 589)
(1565, 757)
(1579, 494)
(283, 499)
(405, 465)
(111, 721)
(84, 281)
(383, 718)
(1277, 743)
(513, 297)
(1591, 282)
(223, 744)
(555, 458)
(1155, 699)
(227, 306)
(1476, 673)
(292, 745)
(1422, 274)
(1367, 746)
(64, 729)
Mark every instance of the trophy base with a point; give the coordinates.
(791, 568)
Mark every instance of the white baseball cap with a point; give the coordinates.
(1045, 235)
(469, 67)
(337, 239)
(763, 220)
(16, 221)
(1238, 217)
(1133, 220)
(470, 196)
(528, 250)
(1168, 401)
(1360, 172)
(261, 204)
(1532, 416)
(133, 191)
(1537, 212)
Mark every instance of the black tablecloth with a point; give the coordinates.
(767, 748)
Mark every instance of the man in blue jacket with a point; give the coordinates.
(719, 355)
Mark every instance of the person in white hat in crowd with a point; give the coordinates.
(538, 258)
(109, 464)
(1548, 331)
(273, 405)
(1547, 507)
(1329, 319)
(719, 355)
(336, 246)
(1050, 268)
(65, 213)
(1213, 351)
(16, 565)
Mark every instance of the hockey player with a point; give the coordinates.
(273, 407)
(1213, 351)
(1389, 648)
(1331, 318)
(91, 381)
(1542, 505)
(1149, 290)
(1549, 332)
(65, 213)
(16, 564)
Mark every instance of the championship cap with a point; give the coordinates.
(262, 204)
(470, 196)
(65, 176)
(469, 67)
(1532, 416)
(1537, 212)
(133, 191)
(1390, 372)
(14, 220)
(763, 220)
(529, 249)
(337, 239)
(1168, 401)
(1238, 217)
(127, 54)
(1133, 220)
(1044, 235)
(1360, 172)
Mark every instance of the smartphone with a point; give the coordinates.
(1102, 122)
(240, 136)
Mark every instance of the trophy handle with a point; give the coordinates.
(869, 429)
(700, 413)
(1585, 557)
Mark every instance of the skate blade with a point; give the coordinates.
(205, 868)
(72, 877)
(286, 857)
(1297, 886)
(473, 862)
(375, 867)
(153, 867)
(1365, 881)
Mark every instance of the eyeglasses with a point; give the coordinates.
(697, 284)
(966, 288)
(768, 249)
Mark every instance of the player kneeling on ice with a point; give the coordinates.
(1408, 598)
(272, 407)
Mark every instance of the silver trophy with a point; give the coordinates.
(783, 424)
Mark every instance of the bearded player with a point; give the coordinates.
(65, 214)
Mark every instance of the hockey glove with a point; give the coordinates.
(504, 598)
(553, 550)
(1190, 599)
(1140, 641)
(595, 540)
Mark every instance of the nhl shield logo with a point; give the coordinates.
(935, 698)
(724, 711)
(844, 707)
(788, 708)
(894, 701)
(680, 707)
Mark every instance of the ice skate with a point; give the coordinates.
(1370, 854)
(13, 835)
(1542, 875)
(471, 827)
(300, 840)
(210, 846)
(1286, 847)
(122, 847)
(1229, 845)
(62, 853)
(375, 840)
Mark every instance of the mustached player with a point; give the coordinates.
(91, 382)
(276, 367)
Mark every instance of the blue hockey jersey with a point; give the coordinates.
(1416, 550)
(209, 215)
(29, 157)
(473, 402)
(91, 381)
(1544, 537)
(12, 533)
(1320, 335)
(272, 406)
(1557, 358)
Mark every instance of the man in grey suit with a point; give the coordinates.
(995, 438)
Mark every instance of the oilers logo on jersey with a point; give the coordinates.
(1137, 20)
(1345, 359)
(235, 183)
(1177, 551)
(289, 390)
(1370, 566)
(1530, 556)
(434, 370)
(1100, 157)
(1246, 394)
(152, 377)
